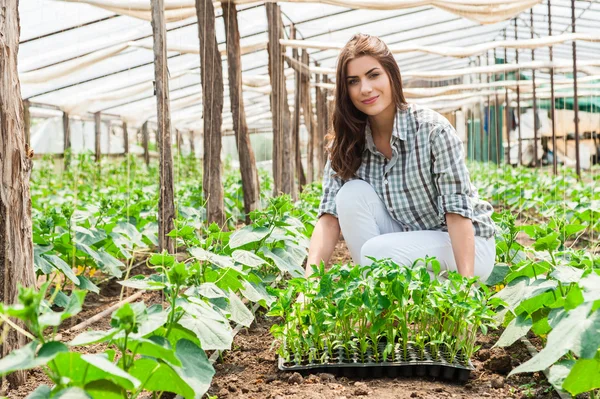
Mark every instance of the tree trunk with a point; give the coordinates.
(125, 139)
(66, 140)
(16, 244)
(145, 140)
(212, 101)
(296, 123)
(166, 202)
(250, 182)
(309, 122)
(98, 129)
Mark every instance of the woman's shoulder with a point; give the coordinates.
(427, 116)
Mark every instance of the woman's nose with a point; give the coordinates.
(366, 88)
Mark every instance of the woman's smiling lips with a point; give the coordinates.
(370, 100)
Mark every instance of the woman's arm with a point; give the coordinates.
(322, 242)
(462, 237)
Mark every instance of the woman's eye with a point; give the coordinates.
(352, 81)
(373, 76)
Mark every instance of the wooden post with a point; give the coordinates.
(326, 125)
(66, 140)
(27, 121)
(575, 98)
(552, 104)
(166, 203)
(212, 101)
(283, 159)
(125, 139)
(296, 123)
(309, 122)
(320, 127)
(16, 243)
(193, 143)
(506, 108)
(250, 182)
(145, 140)
(98, 129)
(535, 126)
(520, 142)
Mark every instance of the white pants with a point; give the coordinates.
(369, 230)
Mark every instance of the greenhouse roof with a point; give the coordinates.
(84, 58)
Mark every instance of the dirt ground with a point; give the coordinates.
(249, 371)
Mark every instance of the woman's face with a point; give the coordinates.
(368, 85)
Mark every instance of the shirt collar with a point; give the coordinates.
(400, 130)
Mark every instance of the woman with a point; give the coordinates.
(395, 182)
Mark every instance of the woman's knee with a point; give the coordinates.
(380, 247)
(353, 196)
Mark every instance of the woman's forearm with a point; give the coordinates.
(322, 241)
(462, 237)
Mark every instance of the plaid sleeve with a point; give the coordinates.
(331, 186)
(450, 173)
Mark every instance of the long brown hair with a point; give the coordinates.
(346, 140)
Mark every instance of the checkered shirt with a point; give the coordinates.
(425, 178)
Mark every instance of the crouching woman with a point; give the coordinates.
(395, 182)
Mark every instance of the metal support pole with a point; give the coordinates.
(497, 119)
(506, 108)
(535, 126)
(520, 142)
(481, 134)
(552, 105)
(575, 99)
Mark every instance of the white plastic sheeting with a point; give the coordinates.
(63, 57)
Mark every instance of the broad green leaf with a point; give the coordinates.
(257, 293)
(86, 284)
(130, 231)
(584, 377)
(150, 319)
(207, 290)
(195, 368)
(155, 346)
(283, 262)
(567, 274)
(573, 229)
(576, 332)
(41, 392)
(93, 337)
(159, 376)
(72, 393)
(247, 258)
(51, 318)
(25, 358)
(88, 236)
(211, 328)
(514, 292)
(247, 235)
(558, 373)
(162, 259)
(109, 264)
(104, 389)
(516, 329)
(39, 261)
(83, 369)
(239, 312)
(143, 283)
(499, 272)
(548, 243)
(63, 267)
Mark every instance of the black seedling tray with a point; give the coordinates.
(352, 366)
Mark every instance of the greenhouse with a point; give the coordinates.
(299, 199)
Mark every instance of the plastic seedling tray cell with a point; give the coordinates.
(351, 366)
